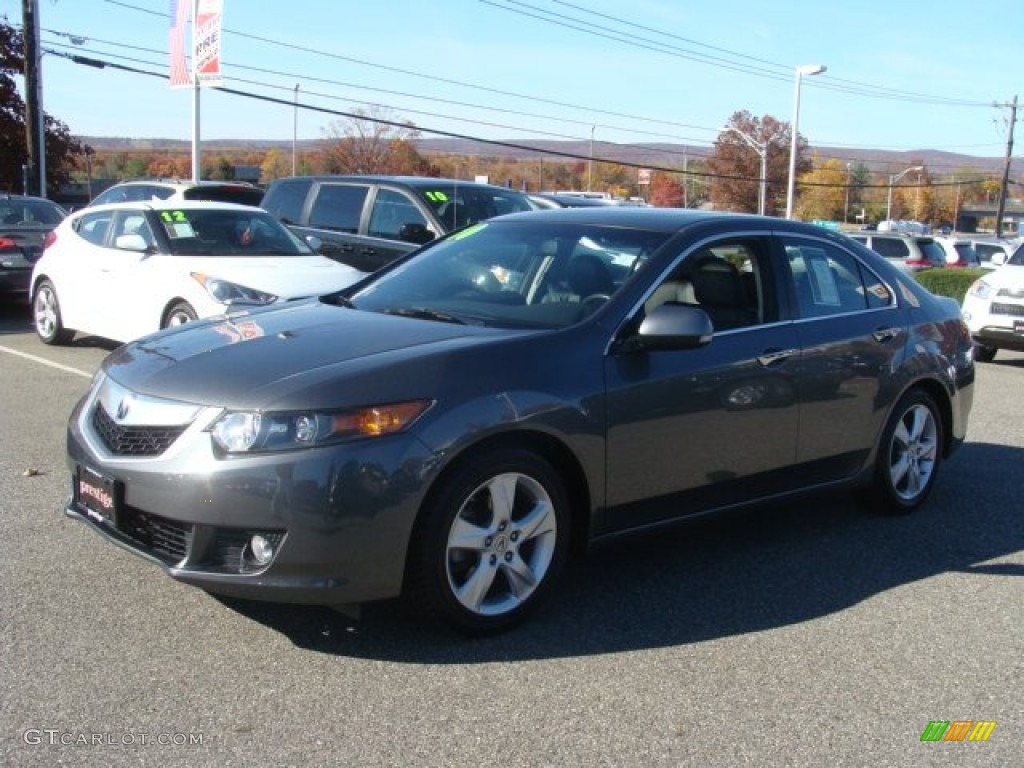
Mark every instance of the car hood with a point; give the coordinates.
(289, 277)
(293, 354)
(1007, 277)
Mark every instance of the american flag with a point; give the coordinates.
(179, 67)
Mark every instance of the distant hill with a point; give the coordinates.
(656, 154)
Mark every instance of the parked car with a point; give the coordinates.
(556, 200)
(994, 252)
(122, 271)
(994, 309)
(959, 252)
(369, 221)
(911, 253)
(172, 189)
(24, 223)
(455, 425)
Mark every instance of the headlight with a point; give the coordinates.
(251, 431)
(226, 292)
(980, 289)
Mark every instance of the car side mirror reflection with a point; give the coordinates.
(131, 243)
(414, 232)
(314, 242)
(674, 326)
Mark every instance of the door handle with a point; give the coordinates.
(772, 357)
(883, 335)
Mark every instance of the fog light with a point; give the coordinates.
(262, 550)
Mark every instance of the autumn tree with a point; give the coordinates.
(61, 149)
(373, 142)
(823, 193)
(665, 191)
(736, 165)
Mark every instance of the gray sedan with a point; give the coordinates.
(455, 426)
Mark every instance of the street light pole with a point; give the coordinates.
(762, 151)
(892, 180)
(590, 165)
(846, 207)
(295, 126)
(806, 69)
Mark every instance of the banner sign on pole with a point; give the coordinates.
(206, 37)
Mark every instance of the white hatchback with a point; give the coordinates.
(123, 271)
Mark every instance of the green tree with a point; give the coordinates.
(62, 150)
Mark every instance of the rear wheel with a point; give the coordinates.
(47, 318)
(179, 314)
(491, 542)
(909, 454)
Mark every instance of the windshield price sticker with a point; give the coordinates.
(177, 224)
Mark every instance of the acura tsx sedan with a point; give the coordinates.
(455, 426)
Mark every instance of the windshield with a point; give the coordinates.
(214, 232)
(513, 274)
(456, 206)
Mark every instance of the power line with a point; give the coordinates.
(290, 103)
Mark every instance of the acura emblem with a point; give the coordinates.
(123, 407)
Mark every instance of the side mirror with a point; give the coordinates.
(414, 232)
(131, 243)
(998, 259)
(314, 242)
(674, 326)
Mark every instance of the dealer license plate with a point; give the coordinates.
(97, 495)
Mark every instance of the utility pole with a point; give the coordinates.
(34, 126)
(1001, 208)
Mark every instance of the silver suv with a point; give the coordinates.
(911, 253)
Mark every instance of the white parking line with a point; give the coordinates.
(44, 361)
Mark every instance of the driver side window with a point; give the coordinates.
(729, 280)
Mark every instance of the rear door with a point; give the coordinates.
(851, 332)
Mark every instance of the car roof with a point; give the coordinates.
(183, 184)
(661, 219)
(410, 181)
(170, 205)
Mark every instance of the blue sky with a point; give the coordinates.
(899, 76)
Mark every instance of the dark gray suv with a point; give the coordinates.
(369, 221)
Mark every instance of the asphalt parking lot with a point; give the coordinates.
(809, 634)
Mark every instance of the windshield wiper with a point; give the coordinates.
(422, 313)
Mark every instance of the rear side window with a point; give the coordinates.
(338, 207)
(226, 194)
(286, 199)
(829, 281)
(93, 227)
(890, 247)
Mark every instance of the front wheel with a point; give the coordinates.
(179, 314)
(491, 543)
(49, 323)
(909, 454)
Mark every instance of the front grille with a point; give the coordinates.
(165, 539)
(135, 440)
(1013, 310)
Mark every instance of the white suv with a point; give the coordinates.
(994, 309)
(171, 189)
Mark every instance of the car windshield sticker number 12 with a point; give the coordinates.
(176, 224)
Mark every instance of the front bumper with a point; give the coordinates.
(340, 517)
(998, 322)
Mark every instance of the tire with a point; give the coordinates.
(46, 316)
(491, 542)
(984, 353)
(179, 314)
(909, 455)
